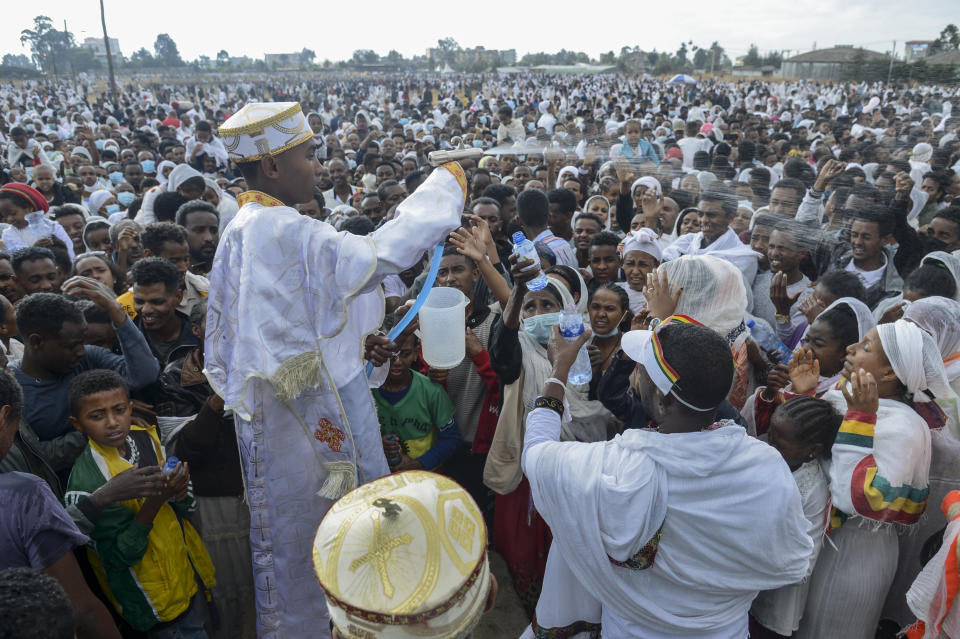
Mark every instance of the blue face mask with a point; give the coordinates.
(113, 208)
(531, 127)
(126, 198)
(29, 127)
(613, 333)
(404, 121)
(99, 144)
(478, 143)
(149, 166)
(116, 177)
(538, 327)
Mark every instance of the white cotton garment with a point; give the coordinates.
(726, 535)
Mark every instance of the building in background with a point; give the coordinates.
(100, 50)
(916, 49)
(829, 64)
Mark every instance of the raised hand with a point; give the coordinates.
(782, 300)
(660, 301)
(861, 392)
(804, 371)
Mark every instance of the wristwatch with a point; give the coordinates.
(655, 322)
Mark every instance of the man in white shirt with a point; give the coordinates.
(647, 541)
(690, 144)
(533, 210)
(717, 207)
(342, 191)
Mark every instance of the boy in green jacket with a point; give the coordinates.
(146, 555)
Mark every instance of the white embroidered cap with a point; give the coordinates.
(404, 556)
(264, 128)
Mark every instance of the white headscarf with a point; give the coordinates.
(644, 240)
(713, 293)
(950, 262)
(586, 207)
(160, 167)
(96, 200)
(940, 317)
(647, 181)
(915, 358)
(180, 174)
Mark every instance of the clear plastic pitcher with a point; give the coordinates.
(443, 327)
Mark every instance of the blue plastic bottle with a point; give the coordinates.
(526, 250)
(768, 340)
(571, 327)
(393, 461)
(170, 465)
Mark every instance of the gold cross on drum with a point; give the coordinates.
(379, 553)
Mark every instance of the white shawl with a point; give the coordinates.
(725, 535)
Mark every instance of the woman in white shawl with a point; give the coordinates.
(940, 317)
(879, 476)
(518, 355)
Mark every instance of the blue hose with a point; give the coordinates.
(421, 298)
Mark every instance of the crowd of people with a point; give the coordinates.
(207, 291)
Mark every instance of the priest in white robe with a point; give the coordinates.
(291, 303)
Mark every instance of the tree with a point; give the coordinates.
(223, 58)
(394, 57)
(773, 59)
(701, 58)
(142, 59)
(448, 49)
(752, 59)
(364, 56)
(949, 39)
(40, 41)
(22, 61)
(166, 51)
(306, 58)
(682, 54)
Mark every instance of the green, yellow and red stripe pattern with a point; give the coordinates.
(872, 494)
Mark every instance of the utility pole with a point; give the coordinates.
(66, 42)
(106, 45)
(893, 55)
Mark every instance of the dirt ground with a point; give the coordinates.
(507, 619)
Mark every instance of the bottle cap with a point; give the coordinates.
(519, 237)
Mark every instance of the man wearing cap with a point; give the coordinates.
(291, 302)
(648, 528)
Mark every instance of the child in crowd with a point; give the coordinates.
(416, 415)
(642, 253)
(817, 367)
(145, 552)
(604, 260)
(802, 430)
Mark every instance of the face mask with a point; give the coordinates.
(478, 143)
(113, 208)
(29, 127)
(126, 198)
(99, 144)
(483, 119)
(149, 166)
(116, 177)
(538, 327)
(351, 164)
(404, 121)
(531, 127)
(613, 333)
(562, 135)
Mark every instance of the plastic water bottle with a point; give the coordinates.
(768, 340)
(526, 250)
(170, 465)
(393, 461)
(571, 327)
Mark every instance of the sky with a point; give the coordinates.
(333, 30)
